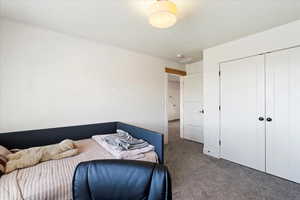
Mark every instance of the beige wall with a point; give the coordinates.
(48, 79)
(193, 68)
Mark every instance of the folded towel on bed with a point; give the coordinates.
(124, 141)
(122, 154)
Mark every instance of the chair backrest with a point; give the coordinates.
(121, 180)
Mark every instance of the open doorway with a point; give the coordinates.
(184, 103)
(173, 107)
(173, 98)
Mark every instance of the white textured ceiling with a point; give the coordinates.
(202, 23)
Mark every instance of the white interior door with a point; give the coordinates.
(242, 104)
(192, 107)
(283, 108)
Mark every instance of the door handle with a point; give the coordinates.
(269, 119)
(261, 119)
(202, 111)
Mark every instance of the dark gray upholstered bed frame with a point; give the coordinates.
(32, 138)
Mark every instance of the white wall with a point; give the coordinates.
(48, 79)
(193, 68)
(277, 38)
(173, 100)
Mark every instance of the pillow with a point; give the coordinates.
(3, 160)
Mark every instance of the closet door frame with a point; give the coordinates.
(267, 113)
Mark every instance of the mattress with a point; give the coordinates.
(53, 179)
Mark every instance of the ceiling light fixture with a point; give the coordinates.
(163, 14)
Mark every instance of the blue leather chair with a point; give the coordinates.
(121, 180)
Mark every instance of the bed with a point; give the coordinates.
(52, 179)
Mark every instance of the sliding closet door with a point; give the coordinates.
(283, 112)
(243, 112)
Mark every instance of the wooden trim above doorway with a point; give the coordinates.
(175, 71)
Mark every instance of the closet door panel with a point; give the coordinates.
(242, 103)
(295, 115)
(283, 107)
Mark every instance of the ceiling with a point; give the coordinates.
(123, 23)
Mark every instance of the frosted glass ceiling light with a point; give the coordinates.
(163, 14)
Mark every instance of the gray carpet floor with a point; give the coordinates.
(196, 176)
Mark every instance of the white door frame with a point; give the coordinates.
(166, 120)
(181, 107)
(166, 128)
